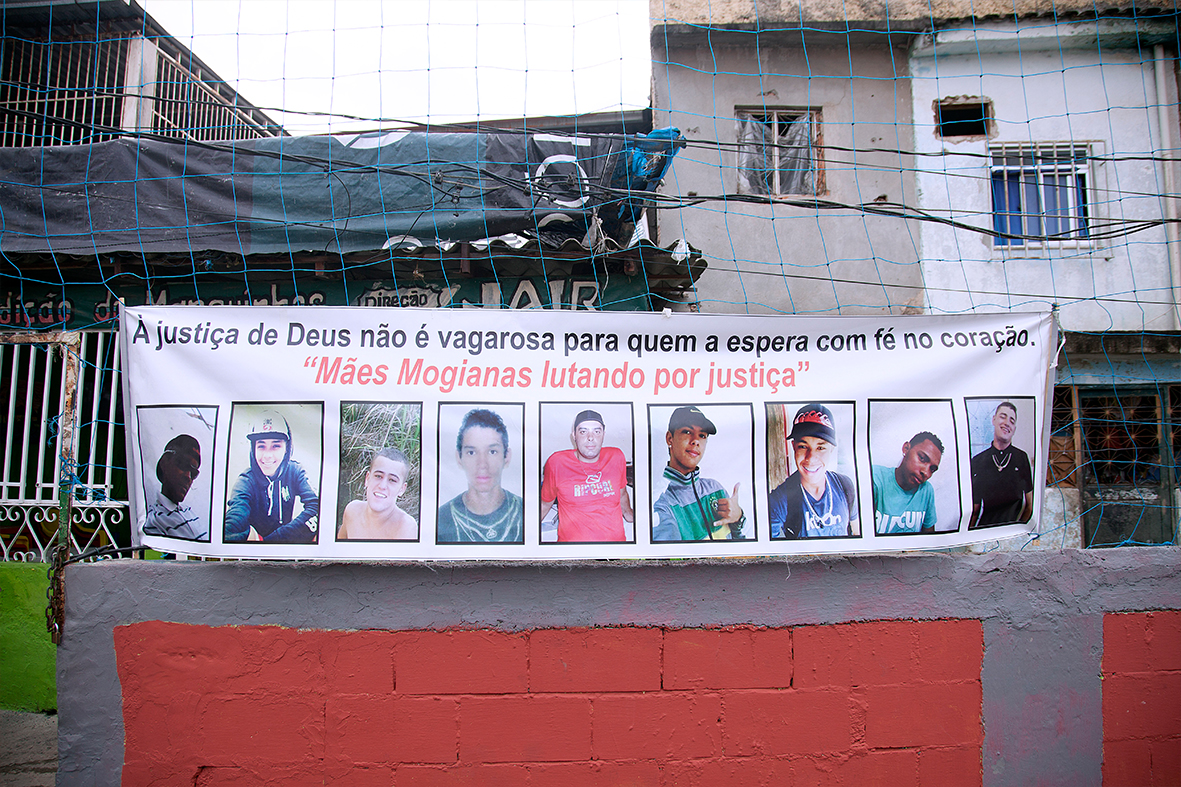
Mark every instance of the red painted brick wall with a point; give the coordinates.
(893, 703)
(1142, 699)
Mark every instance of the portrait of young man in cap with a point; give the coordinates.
(693, 507)
(588, 483)
(261, 506)
(815, 501)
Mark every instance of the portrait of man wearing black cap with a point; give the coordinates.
(692, 507)
(814, 502)
(589, 484)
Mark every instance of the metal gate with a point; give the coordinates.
(63, 455)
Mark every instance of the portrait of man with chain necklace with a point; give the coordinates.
(1002, 477)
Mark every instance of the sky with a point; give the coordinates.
(438, 61)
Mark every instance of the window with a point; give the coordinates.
(963, 117)
(778, 151)
(1118, 447)
(1040, 192)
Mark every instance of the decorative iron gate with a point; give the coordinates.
(63, 454)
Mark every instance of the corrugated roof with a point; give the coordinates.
(899, 15)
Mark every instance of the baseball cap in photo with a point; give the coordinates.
(588, 415)
(814, 420)
(690, 416)
(269, 425)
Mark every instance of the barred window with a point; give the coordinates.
(778, 151)
(1119, 448)
(1040, 192)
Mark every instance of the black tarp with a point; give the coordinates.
(321, 194)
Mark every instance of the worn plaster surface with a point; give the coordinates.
(1042, 616)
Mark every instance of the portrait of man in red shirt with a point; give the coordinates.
(588, 483)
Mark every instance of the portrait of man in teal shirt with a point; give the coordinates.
(903, 498)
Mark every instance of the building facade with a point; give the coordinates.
(799, 127)
(954, 159)
(1052, 145)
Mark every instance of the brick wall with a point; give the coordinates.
(1142, 699)
(895, 703)
(910, 669)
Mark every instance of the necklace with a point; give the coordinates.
(813, 519)
(1000, 466)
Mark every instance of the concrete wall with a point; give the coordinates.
(767, 258)
(27, 668)
(950, 669)
(1053, 83)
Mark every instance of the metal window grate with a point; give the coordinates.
(1039, 193)
(1065, 445)
(1128, 485)
(1118, 447)
(33, 403)
(65, 92)
(1122, 433)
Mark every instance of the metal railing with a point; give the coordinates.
(65, 92)
(63, 455)
(187, 105)
(60, 92)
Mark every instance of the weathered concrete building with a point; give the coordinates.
(954, 158)
(801, 118)
(1053, 143)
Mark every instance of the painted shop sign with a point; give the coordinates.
(410, 433)
(95, 306)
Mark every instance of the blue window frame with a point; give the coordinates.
(1039, 192)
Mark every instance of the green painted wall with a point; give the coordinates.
(28, 660)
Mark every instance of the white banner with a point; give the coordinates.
(350, 433)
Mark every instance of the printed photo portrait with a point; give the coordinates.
(909, 443)
(380, 471)
(1001, 435)
(481, 474)
(810, 470)
(587, 478)
(702, 472)
(273, 476)
(176, 450)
